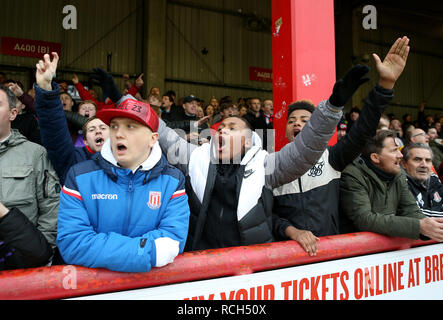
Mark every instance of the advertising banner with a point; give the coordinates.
(406, 274)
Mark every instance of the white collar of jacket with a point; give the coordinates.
(148, 164)
(251, 185)
(256, 146)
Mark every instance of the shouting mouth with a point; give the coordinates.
(221, 143)
(121, 148)
(99, 141)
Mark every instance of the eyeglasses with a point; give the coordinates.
(419, 134)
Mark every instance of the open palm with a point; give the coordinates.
(395, 61)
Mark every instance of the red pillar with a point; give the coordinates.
(303, 49)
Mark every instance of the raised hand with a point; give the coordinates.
(203, 120)
(75, 79)
(15, 88)
(107, 84)
(394, 63)
(139, 81)
(345, 88)
(46, 71)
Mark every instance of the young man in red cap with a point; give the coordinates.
(127, 209)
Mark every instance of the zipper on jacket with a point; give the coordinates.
(46, 184)
(128, 205)
(302, 203)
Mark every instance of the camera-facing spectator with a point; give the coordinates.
(144, 222)
(424, 185)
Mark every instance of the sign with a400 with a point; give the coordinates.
(28, 48)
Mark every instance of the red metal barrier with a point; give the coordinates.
(50, 282)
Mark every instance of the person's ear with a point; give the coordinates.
(85, 142)
(375, 158)
(403, 163)
(154, 139)
(13, 114)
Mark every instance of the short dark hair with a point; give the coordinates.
(406, 151)
(301, 105)
(61, 93)
(377, 142)
(169, 95)
(85, 125)
(227, 105)
(12, 99)
(246, 122)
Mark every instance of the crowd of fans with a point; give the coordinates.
(128, 181)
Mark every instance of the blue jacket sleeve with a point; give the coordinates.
(54, 130)
(80, 244)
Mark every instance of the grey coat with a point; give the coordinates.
(29, 183)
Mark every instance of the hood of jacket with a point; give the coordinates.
(151, 168)
(14, 139)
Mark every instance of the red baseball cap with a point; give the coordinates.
(134, 109)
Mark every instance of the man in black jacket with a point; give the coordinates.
(309, 206)
(424, 185)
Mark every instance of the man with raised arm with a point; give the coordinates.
(230, 180)
(309, 205)
(125, 210)
(54, 127)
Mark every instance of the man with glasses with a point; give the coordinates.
(417, 135)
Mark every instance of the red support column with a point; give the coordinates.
(303, 48)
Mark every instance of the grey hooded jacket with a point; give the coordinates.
(29, 183)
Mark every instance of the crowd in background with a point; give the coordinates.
(313, 190)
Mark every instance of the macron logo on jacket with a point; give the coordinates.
(102, 196)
